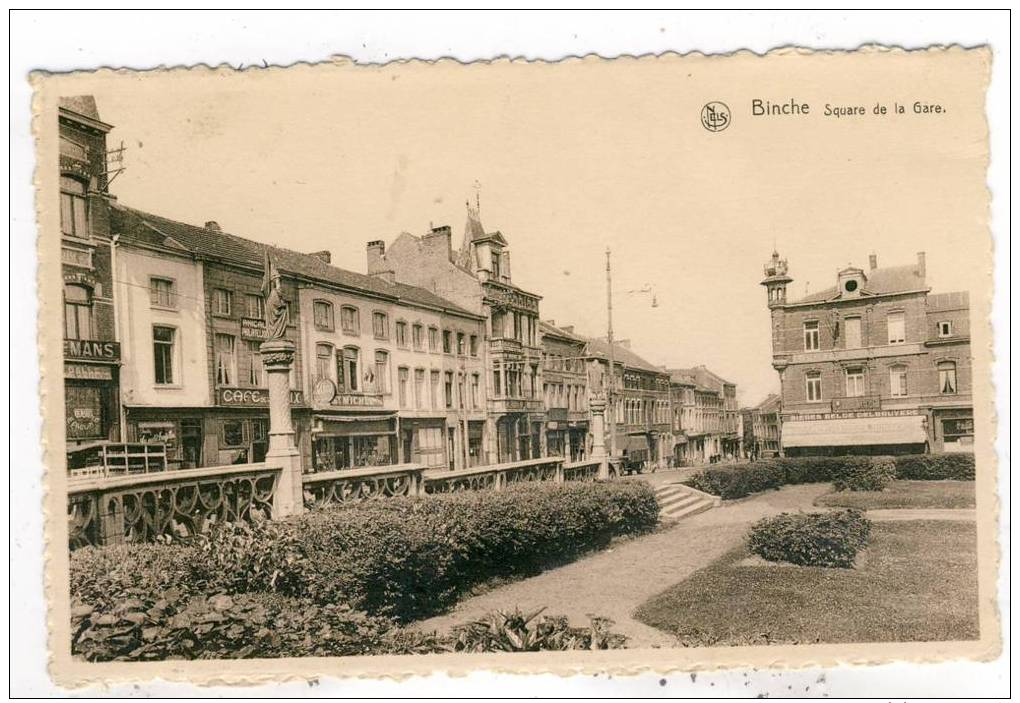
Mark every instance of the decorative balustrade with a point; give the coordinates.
(497, 476)
(355, 485)
(140, 508)
(587, 470)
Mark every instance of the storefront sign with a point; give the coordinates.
(511, 298)
(88, 372)
(253, 328)
(358, 400)
(252, 397)
(91, 350)
(84, 412)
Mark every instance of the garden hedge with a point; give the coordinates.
(830, 539)
(402, 558)
(731, 481)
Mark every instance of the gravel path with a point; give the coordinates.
(614, 582)
(922, 514)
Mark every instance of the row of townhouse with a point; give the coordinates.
(434, 356)
(761, 428)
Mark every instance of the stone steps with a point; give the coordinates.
(677, 501)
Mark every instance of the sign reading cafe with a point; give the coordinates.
(252, 397)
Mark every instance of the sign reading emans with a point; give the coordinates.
(91, 350)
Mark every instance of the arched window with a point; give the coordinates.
(947, 377)
(73, 218)
(77, 312)
(350, 320)
(322, 312)
(323, 360)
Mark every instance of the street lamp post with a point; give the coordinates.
(611, 384)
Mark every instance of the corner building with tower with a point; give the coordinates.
(876, 364)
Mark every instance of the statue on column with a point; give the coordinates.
(277, 310)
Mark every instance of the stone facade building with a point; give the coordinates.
(762, 428)
(876, 364)
(565, 390)
(477, 278)
(92, 352)
(640, 412)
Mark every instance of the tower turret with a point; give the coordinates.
(776, 280)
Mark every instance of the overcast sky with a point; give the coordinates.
(573, 158)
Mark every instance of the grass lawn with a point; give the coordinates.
(905, 494)
(917, 581)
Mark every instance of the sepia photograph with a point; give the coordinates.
(675, 359)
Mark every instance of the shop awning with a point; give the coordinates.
(855, 431)
(636, 444)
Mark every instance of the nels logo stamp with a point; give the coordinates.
(715, 116)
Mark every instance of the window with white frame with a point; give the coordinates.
(813, 382)
(947, 377)
(255, 306)
(256, 376)
(351, 367)
(897, 328)
(380, 325)
(350, 320)
(73, 208)
(323, 360)
(222, 302)
(419, 388)
(402, 383)
(162, 292)
(945, 328)
(811, 336)
(322, 315)
(401, 333)
(382, 371)
(854, 382)
(418, 337)
(226, 359)
(163, 340)
(898, 381)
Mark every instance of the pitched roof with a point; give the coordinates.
(599, 348)
(84, 105)
(879, 281)
(769, 404)
(229, 248)
(547, 328)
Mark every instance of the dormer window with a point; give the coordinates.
(850, 286)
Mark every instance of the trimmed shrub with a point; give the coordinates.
(935, 467)
(865, 474)
(400, 558)
(738, 480)
(731, 481)
(830, 539)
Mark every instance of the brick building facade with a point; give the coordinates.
(91, 348)
(875, 364)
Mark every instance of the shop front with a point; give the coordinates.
(953, 430)
(92, 398)
(867, 434)
(353, 441)
(422, 442)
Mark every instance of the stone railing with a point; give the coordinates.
(355, 485)
(141, 508)
(587, 470)
(497, 476)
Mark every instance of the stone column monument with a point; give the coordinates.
(277, 358)
(598, 434)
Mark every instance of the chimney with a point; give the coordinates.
(323, 256)
(213, 225)
(445, 233)
(376, 251)
(922, 268)
(873, 261)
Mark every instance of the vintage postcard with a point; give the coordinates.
(650, 364)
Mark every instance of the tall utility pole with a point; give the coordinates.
(611, 385)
